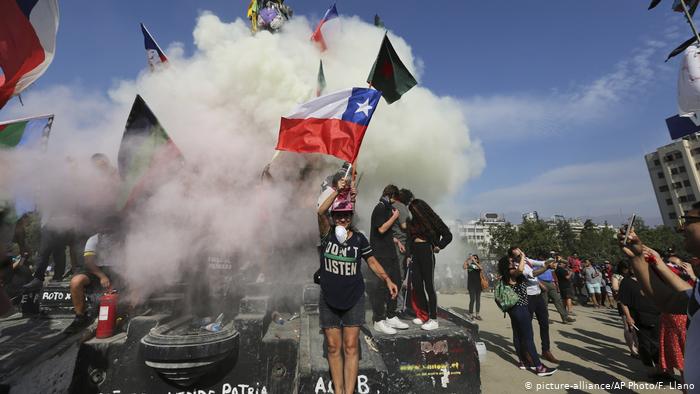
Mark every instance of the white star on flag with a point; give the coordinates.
(364, 107)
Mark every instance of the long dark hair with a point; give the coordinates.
(425, 220)
(504, 268)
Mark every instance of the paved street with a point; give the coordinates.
(591, 351)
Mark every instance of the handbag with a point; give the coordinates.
(484, 281)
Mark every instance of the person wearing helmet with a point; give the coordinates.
(342, 302)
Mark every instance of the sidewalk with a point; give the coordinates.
(591, 351)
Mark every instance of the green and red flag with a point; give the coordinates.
(321, 81)
(389, 74)
(147, 156)
(27, 132)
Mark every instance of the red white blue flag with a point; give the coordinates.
(333, 124)
(317, 36)
(154, 54)
(27, 43)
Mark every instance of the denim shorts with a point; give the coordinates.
(593, 288)
(330, 317)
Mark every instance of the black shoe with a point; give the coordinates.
(545, 371)
(80, 322)
(34, 284)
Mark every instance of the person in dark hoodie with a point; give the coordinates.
(427, 235)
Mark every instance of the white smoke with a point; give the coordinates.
(222, 106)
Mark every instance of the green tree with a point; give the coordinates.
(537, 238)
(502, 238)
(567, 238)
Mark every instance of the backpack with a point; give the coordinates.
(505, 297)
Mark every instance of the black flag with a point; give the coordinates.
(681, 48)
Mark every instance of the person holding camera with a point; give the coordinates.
(536, 303)
(474, 269)
(342, 302)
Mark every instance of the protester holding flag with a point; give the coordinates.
(342, 303)
(427, 235)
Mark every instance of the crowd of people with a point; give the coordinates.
(655, 294)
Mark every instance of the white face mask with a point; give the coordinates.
(341, 233)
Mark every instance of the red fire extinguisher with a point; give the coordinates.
(107, 315)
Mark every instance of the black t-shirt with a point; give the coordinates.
(561, 277)
(382, 244)
(641, 308)
(341, 277)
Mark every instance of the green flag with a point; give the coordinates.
(378, 22)
(321, 83)
(389, 75)
(28, 132)
(147, 155)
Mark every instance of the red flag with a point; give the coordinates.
(27, 43)
(317, 36)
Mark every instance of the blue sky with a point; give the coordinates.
(565, 97)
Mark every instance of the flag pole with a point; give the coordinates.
(690, 20)
(266, 169)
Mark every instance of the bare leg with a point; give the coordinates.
(352, 357)
(77, 292)
(334, 339)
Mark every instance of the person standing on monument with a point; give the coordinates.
(342, 302)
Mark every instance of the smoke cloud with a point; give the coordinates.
(222, 106)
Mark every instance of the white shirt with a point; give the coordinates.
(102, 246)
(533, 284)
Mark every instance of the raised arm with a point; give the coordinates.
(324, 224)
(666, 298)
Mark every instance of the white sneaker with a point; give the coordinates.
(418, 322)
(394, 322)
(381, 326)
(430, 325)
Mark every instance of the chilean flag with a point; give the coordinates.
(27, 43)
(154, 54)
(333, 124)
(317, 36)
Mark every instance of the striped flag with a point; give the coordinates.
(147, 155)
(317, 36)
(28, 132)
(333, 124)
(154, 55)
(27, 43)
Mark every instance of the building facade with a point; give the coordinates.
(478, 232)
(675, 176)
